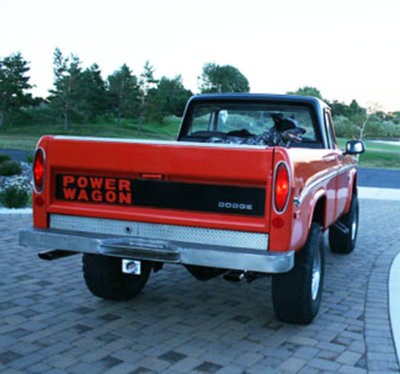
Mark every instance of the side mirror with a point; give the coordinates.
(354, 147)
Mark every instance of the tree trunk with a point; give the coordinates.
(141, 117)
(66, 121)
(119, 120)
(139, 131)
(363, 126)
(1, 119)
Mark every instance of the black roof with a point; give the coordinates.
(258, 97)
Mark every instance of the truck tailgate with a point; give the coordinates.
(190, 184)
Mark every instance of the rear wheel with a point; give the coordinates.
(104, 278)
(296, 295)
(343, 235)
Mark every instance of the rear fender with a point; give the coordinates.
(315, 207)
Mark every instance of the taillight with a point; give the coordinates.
(281, 187)
(38, 170)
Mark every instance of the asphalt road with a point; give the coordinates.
(15, 154)
(368, 177)
(382, 178)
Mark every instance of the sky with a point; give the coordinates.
(348, 49)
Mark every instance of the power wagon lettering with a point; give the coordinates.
(161, 194)
(94, 189)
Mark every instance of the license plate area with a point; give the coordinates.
(131, 266)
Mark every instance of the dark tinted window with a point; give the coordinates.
(253, 118)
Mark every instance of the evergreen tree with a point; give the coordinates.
(14, 84)
(227, 78)
(68, 86)
(147, 84)
(94, 94)
(124, 93)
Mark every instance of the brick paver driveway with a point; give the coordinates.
(49, 322)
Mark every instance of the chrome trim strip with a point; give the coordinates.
(155, 231)
(162, 251)
(307, 189)
(159, 142)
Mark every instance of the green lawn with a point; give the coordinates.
(378, 155)
(26, 137)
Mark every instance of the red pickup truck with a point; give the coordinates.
(247, 190)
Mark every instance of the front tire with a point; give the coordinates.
(344, 241)
(104, 277)
(296, 295)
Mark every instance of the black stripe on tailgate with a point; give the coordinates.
(161, 194)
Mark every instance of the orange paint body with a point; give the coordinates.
(98, 179)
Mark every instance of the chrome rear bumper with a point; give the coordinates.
(159, 250)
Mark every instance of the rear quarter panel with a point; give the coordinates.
(314, 181)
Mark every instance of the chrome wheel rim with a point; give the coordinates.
(316, 275)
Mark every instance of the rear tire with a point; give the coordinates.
(296, 295)
(339, 241)
(104, 277)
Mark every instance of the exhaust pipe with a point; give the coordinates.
(239, 275)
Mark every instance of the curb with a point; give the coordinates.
(379, 193)
(15, 211)
(394, 303)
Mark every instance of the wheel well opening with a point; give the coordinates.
(319, 211)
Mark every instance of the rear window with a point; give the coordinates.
(247, 120)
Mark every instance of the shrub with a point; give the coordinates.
(4, 158)
(376, 129)
(8, 168)
(14, 196)
(15, 192)
(29, 157)
(345, 128)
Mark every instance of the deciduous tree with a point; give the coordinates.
(361, 116)
(307, 91)
(226, 78)
(172, 96)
